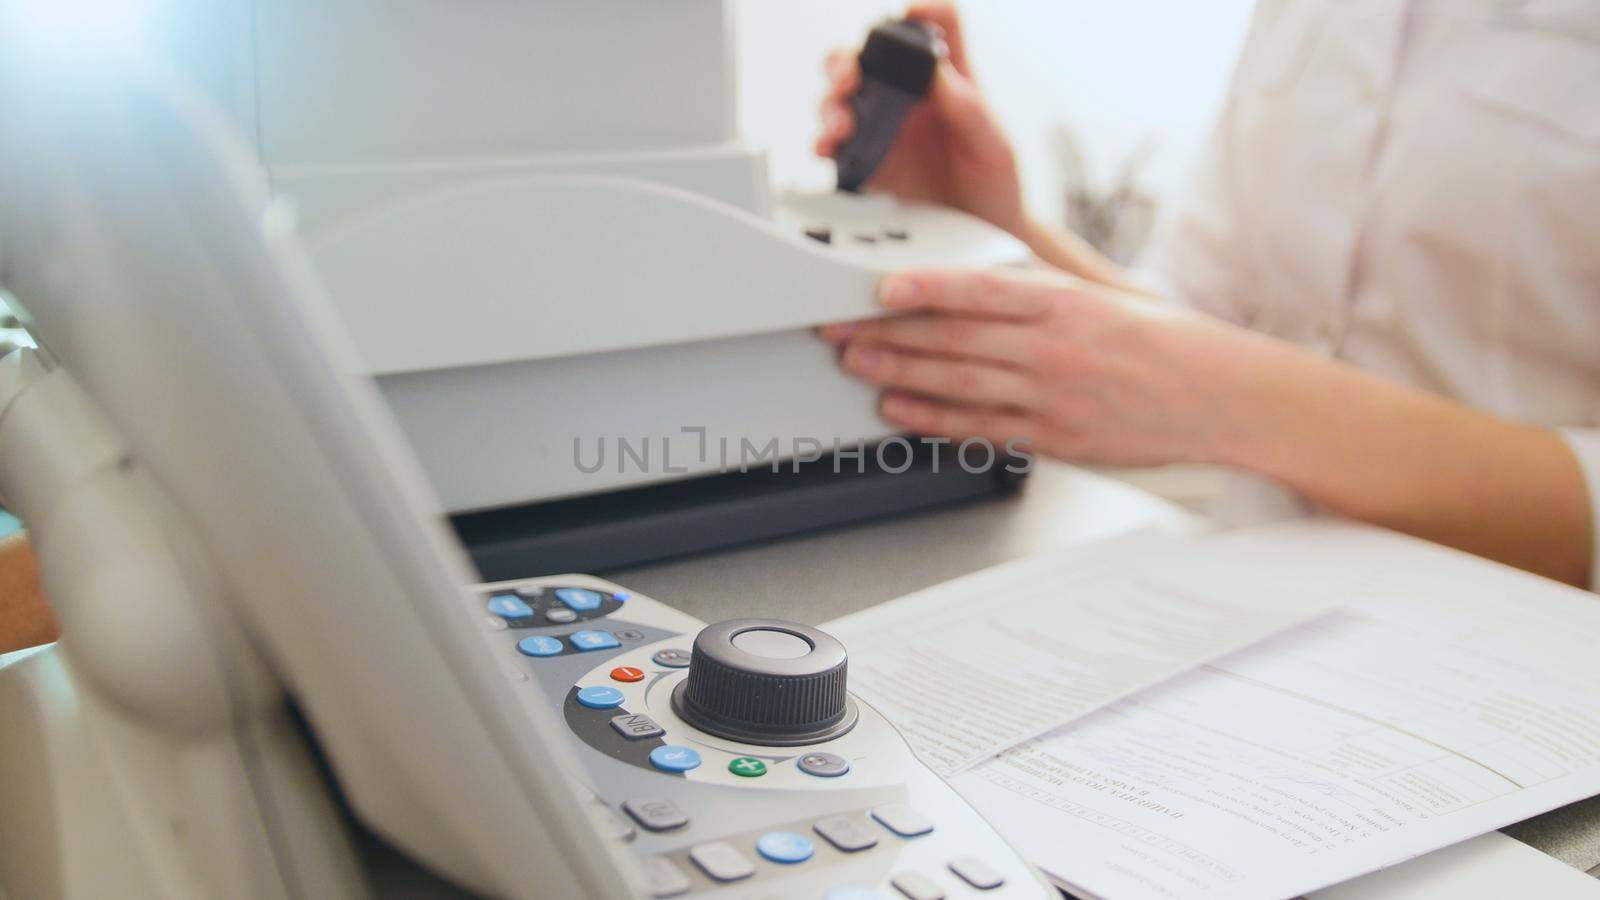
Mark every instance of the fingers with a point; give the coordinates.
(837, 125)
(944, 15)
(999, 342)
(955, 421)
(843, 71)
(959, 103)
(942, 378)
(953, 90)
(1014, 296)
(838, 122)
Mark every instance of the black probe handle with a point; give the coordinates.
(879, 109)
(897, 62)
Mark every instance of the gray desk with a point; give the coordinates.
(820, 577)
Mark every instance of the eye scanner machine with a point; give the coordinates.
(227, 520)
(269, 637)
(547, 239)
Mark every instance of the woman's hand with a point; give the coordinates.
(950, 149)
(1084, 372)
(1093, 375)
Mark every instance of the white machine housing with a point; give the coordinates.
(717, 805)
(514, 204)
(225, 514)
(225, 517)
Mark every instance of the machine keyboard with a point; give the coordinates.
(846, 815)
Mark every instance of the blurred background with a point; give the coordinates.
(1105, 101)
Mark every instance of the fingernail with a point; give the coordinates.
(897, 409)
(833, 119)
(839, 331)
(897, 291)
(862, 359)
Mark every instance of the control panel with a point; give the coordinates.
(733, 757)
(881, 231)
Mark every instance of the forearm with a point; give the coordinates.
(1072, 254)
(25, 617)
(1415, 462)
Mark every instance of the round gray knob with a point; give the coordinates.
(765, 681)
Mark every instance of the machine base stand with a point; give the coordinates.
(603, 532)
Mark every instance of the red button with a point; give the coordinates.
(627, 673)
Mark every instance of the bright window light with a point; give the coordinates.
(54, 27)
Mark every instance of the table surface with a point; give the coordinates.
(815, 578)
(818, 577)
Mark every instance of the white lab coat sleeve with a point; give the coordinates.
(1195, 261)
(1197, 258)
(1207, 254)
(1585, 444)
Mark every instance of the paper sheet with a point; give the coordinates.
(1488, 867)
(976, 665)
(1450, 697)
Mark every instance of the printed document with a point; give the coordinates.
(1448, 697)
(979, 664)
(1488, 867)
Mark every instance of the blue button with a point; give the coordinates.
(594, 640)
(539, 646)
(509, 606)
(600, 697)
(621, 596)
(785, 847)
(579, 599)
(674, 759)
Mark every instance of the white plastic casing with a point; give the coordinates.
(517, 204)
(722, 806)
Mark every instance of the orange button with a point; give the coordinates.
(627, 673)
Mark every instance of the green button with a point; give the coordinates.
(748, 766)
